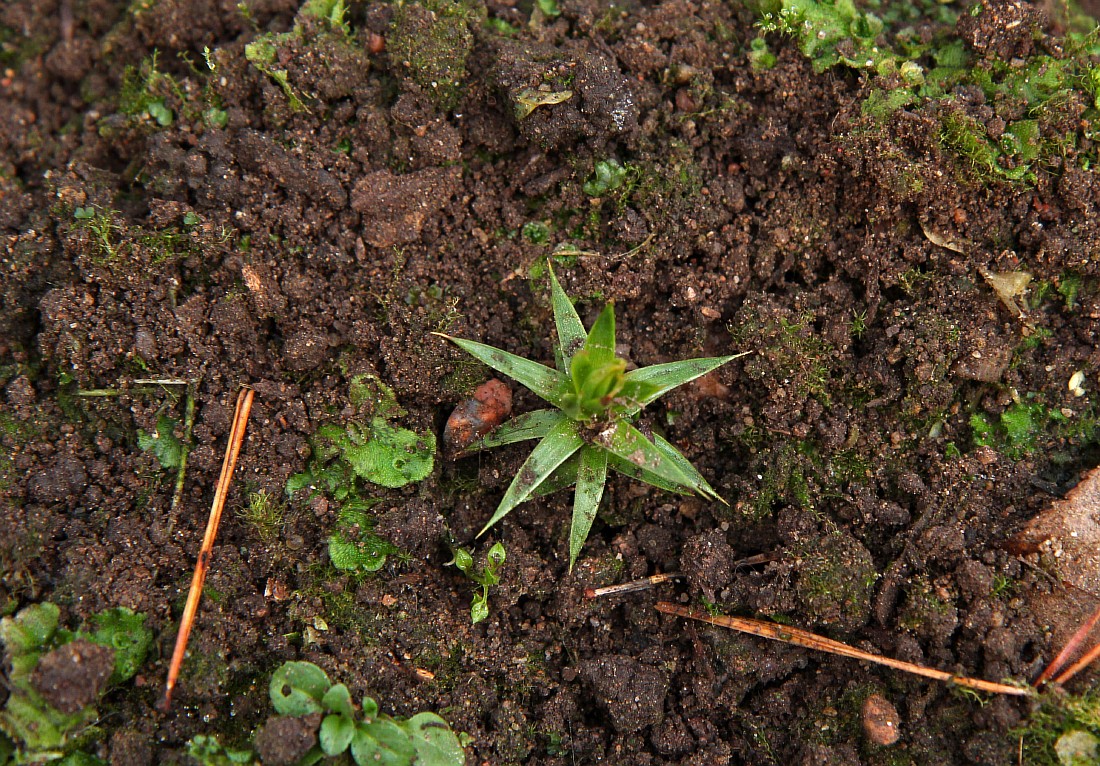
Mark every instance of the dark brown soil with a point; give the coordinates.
(289, 250)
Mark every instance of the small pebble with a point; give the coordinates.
(880, 720)
(475, 417)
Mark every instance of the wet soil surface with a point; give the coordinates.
(197, 219)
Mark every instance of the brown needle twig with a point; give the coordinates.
(1069, 650)
(232, 450)
(808, 640)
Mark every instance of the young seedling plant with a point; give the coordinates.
(302, 688)
(486, 577)
(590, 429)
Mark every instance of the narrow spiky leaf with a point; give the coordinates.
(571, 334)
(555, 448)
(665, 377)
(591, 476)
(530, 425)
(628, 469)
(697, 482)
(565, 475)
(600, 343)
(543, 381)
(627, 442)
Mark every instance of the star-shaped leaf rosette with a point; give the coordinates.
(589, 431)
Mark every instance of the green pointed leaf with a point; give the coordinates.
(565, 475)
(464, 561)
(336, 733)
(591, 475)
(297, 688)
(592, 385)
(479, 608)
(600, 343)
(370, 709)
(435, 743)
(571, 334)
(697, 483)
(626, 468)
(542, 380)
(382, 742)
(555, 448)
(494, 560)
(673, 374)
(531, 425)
(627, 442)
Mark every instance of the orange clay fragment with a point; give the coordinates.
(490, 406)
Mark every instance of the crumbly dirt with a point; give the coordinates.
(252, 240)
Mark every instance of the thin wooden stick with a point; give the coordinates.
(808, 640)
(1071, 647)
(634, 585)
(232, 450)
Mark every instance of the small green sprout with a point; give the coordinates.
(607, 176)
(486, 577)
(302, 688)
(591, 430)
(207, 750)
(163, 443)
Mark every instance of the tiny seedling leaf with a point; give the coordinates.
(464, 561)
(166, 448)
(370, 709)
(338, 700)
(297, 688)
(479, 608)
(591, 476)
(435, 742)
(382, 742)
(543, 381)
(562, 441)
(336, 733)
(494, 560)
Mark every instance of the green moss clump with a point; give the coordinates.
(1059, 727)
(353, 546)
(431, 42)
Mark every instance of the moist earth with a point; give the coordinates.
(176, 207)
